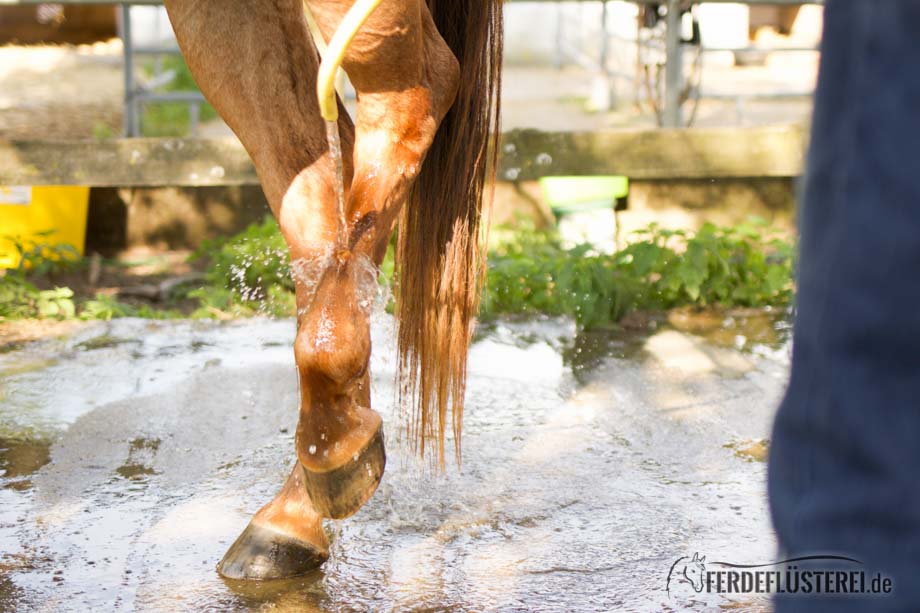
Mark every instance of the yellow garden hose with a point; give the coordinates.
(335, 51)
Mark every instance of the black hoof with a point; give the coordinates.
(263, 553)
(340, 492)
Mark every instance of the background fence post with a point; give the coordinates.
(130, 121)
(673, 68)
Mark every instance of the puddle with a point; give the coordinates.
(589, 466)
(752, 451)
(19, 459)
(741, 329)
(141, 453)
(104, 341)
(27, 366)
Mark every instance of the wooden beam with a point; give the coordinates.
(146, 162)
(655, 154)
(525, 155)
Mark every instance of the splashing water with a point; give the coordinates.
(335, 152)
(372, 292)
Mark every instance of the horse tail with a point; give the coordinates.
(440, 260)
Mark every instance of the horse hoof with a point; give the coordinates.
(340, 491)
(262, 553)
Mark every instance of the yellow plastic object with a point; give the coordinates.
(25, 212)
(335, 53)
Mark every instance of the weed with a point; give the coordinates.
(745, 265)
(530, 273)
(20, 299)
(40, 258)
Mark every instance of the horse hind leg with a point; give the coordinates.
(256, 63)
(406, 78)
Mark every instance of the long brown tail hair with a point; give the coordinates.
(439, 257)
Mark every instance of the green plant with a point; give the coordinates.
(529, 273)
(20, 299)
(39, 258)
(536, 275)
(745, 265)
(106, 308)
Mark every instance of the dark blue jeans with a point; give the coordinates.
(844, 473)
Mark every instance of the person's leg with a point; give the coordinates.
(844, 473)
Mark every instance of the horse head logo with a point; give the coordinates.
(688, 571)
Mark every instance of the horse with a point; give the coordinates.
(420, 154)
(691, 573)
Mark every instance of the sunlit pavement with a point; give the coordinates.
(134, 453)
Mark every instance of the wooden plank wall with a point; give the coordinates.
(650, 155)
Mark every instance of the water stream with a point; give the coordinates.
(335, 152)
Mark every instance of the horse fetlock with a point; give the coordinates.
(333, 349)
(329, 434)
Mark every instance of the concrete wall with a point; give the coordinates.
(673, 204)
(169, 217)
(178, 218)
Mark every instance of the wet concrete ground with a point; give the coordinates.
(134, 452)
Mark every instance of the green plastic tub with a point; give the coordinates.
(566, 195)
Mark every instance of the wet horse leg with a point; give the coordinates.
(256, 63)
(406, 78)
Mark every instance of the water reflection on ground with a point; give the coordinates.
(133, 453)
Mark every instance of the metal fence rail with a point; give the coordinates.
(673, 49)
(136, 95)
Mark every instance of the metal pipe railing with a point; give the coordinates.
(673, 50)
(135, 95)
